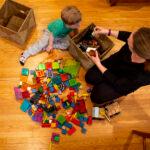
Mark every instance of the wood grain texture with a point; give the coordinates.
(19, 132)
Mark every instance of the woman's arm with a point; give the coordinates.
(121, 85)
(100, 30)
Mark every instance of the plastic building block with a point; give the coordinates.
(51, 89)
(55, 65)
(32, 72)
(60, 70)
(25, 105)
(71, 131)
(61, 119)
(18, 93)
(38, 116)
(57, 99)
(49, 73)
(64, 77)
(55, 137)
(72, 67)
(56, 79)
(76, 122)
(25, 94)
(83, 130)
(40, 73)
(41, 66)
(53, 125)
(51, 102)
(31, 80)
(23, 78)
(45, 125)
(89, 121)
(80, 107)
(81, 124)
(63, 131)
(72, 82)
(25, 71)
(48, 65)
(68, 125)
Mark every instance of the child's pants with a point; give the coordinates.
(42, 43)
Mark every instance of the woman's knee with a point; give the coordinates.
(103, 93)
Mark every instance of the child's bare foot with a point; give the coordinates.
(22, 59)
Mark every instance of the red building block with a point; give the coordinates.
(89, 121)
(71, 131)
(45, 125)
(48, 65)
(25, 94)
(75, 121)
(64, 77)
(80, 106)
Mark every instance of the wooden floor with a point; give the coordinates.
(19, 132)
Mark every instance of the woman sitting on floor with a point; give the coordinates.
(123, 72)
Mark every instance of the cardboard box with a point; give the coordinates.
(16, 21)
(104, 42)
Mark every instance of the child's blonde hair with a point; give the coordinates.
(71, 15)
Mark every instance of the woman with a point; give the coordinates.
(125, 71)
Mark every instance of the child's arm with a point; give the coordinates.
(73, 33)
(50, 45)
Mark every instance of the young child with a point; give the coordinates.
(55, 36)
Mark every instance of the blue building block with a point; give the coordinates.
(25, 105)
(57, 80)
(54, 115)
(52, 102)
(66, 83)
(57, 99)
(63, 131)
(68, 125)
(85, 119)
(59, 126)
(81, 124)
(83, 130)
(32, 72)
(72, 104)
(30, 112)
(33, 90)
(51, 89)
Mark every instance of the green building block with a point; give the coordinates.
(79, 115)
(25, 71)
(41, 66)
(72, 67)
(56, 138)
(72, 82)
(40, 89)
(61, 119)
(55, 65)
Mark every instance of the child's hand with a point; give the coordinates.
(100, 30)
(49, 48)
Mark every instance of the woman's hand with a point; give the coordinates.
(100, 30)
(97, 62)
(95, 59)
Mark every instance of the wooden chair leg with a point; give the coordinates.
(113, 2)
(144, 143)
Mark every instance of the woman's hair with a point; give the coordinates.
(71, 15)
(141, 45)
